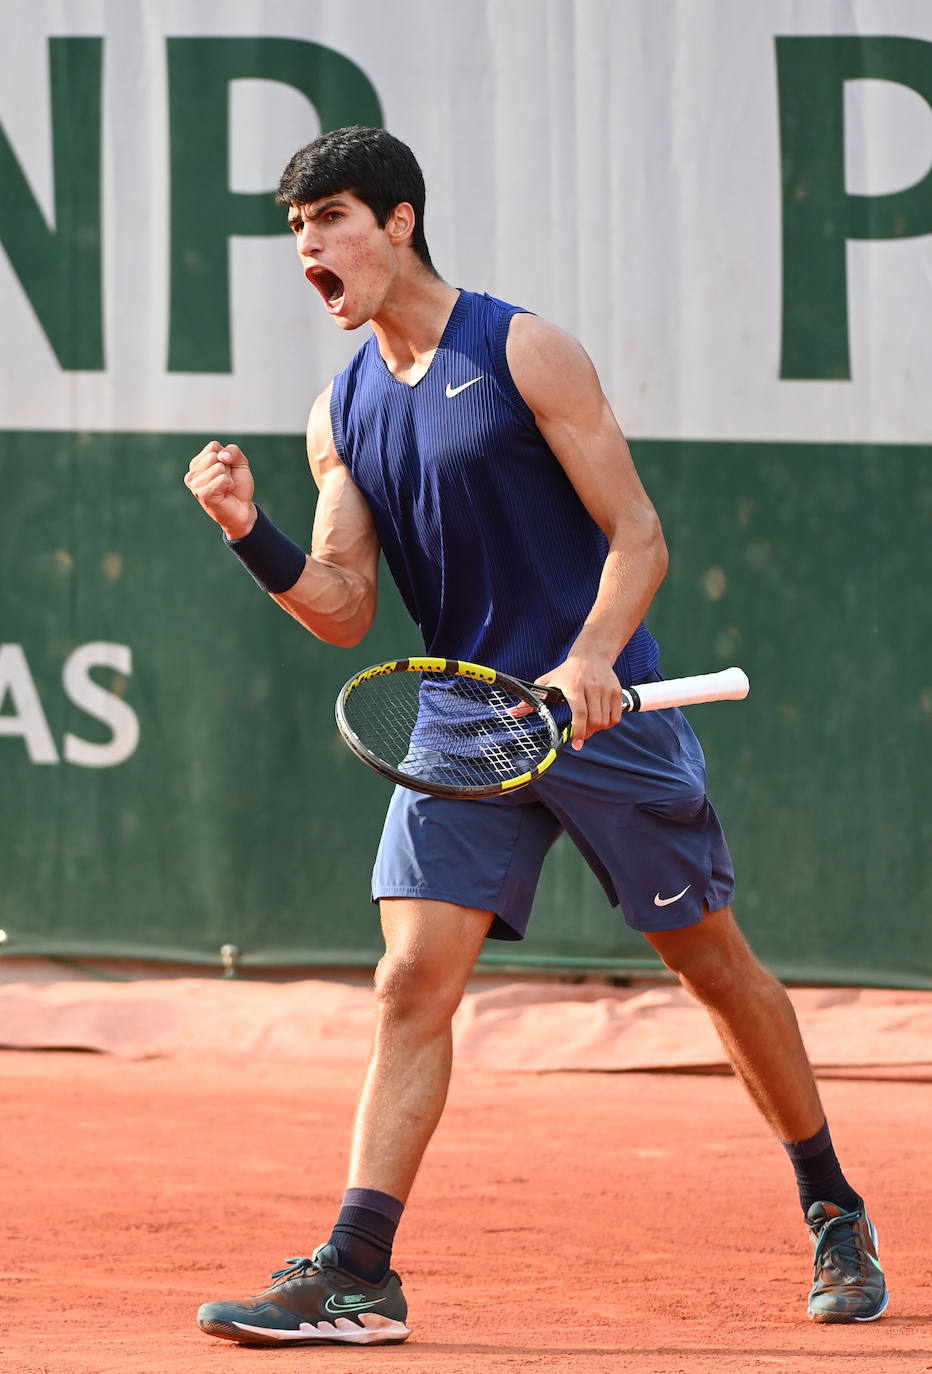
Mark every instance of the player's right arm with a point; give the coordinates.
(335, 596)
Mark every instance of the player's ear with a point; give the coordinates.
(401, 223)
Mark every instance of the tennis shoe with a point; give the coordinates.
(313, 1301)
(848, 1282)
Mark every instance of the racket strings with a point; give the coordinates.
(447, 729)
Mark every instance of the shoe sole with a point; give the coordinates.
(826, 1318)
(344, 1332)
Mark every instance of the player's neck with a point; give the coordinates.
(411, 322)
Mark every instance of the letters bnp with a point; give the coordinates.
(61, 272)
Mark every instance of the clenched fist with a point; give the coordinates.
(221, 480)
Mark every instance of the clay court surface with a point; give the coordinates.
(591, 1221)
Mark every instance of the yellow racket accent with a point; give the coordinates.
(525, 778)
(426, 665)
(474, 670)
(379, 670)
(450, 665)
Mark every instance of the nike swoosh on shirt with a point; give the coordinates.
(455, 390)
(666, 901)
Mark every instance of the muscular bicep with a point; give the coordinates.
(556, 378)
(344, 532)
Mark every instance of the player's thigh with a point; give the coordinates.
(634, 802)
(430, 950)
(479, 855)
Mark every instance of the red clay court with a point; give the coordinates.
(655, 1220)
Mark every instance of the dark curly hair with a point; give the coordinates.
(371, 164)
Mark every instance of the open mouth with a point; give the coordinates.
(329, 285)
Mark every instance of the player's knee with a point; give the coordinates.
(704, 973)
(411, 989)
(713, 972)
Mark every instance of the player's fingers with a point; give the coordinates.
(233, 456)
(611, 707)
(604, 707)
(217, 487)
(196, 479)
(598, 712)
(524, 708)
(206, 457)
(207, 454)
(605, 711)
(196, 474)
(580, 727)
(614, 706)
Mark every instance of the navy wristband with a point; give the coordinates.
(275, 561)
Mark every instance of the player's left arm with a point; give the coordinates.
(556, 378)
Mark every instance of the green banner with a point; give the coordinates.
(174, 782)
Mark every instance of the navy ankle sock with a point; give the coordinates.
(364, 1232)
(818, 1173)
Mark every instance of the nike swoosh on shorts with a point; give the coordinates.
(667, 901)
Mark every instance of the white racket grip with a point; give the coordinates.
(731, 684)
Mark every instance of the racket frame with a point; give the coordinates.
(536, 697)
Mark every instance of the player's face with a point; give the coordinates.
(345, 255)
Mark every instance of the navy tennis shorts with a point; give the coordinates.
(633, 801)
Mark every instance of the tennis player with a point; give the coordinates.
(471, 443)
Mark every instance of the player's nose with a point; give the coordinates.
(307, 241)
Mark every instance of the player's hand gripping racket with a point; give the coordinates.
(454, 729)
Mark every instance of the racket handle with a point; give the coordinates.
(731, 684)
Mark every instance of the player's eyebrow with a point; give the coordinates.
(295, 215)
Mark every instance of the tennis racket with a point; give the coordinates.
(454, 729)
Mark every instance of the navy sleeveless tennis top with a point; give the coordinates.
(496, 558)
